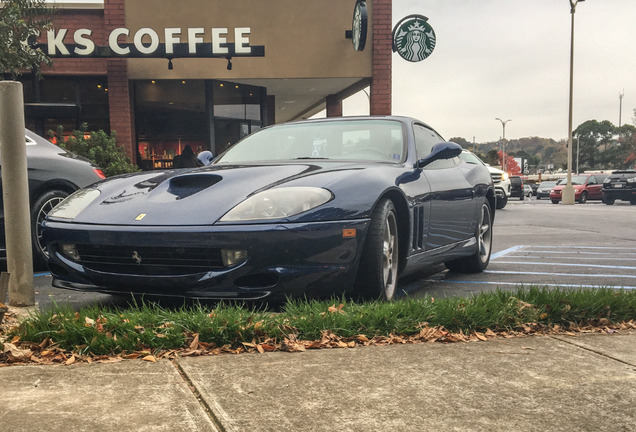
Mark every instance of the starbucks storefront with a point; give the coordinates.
(169, 78)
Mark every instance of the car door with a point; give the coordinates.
(452, 203)
(594, 188)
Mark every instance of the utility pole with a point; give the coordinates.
(620, 107)
(503, 140)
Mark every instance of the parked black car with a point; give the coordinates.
(544, 189)
(620, 185)
(516, 188)
(301, 209)
(54, 173)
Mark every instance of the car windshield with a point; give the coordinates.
(576, 180)
(367, 140)
(470, 158)
(547, 185)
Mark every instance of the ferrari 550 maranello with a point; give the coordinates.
(309, 208)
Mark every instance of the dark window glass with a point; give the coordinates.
(67, 102)
(170, 115)
(237, 101)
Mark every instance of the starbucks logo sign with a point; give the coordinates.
(414, 38)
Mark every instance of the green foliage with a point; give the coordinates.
(21, 21)
(147, 327)
(100, 148)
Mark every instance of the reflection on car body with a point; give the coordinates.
(300, 209)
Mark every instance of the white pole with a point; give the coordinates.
(15, 195)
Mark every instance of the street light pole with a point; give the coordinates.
(568, 190)
(503, 157)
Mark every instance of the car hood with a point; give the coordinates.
(199, 196)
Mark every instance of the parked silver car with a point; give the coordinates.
(54, 173)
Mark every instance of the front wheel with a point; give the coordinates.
(501, 202)
(378, 271)
(477, 262)
(42, 207)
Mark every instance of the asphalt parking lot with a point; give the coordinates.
(535, 243)
(539, 243)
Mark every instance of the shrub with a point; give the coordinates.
(100, 148)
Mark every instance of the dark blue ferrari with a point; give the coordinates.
(311, 208)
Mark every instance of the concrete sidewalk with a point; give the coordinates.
(582, 383)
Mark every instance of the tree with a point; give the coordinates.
(512, 167)
(594, 139)
(462, 142)
(20, 22)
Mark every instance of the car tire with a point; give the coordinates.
(555, 201)
(522, 196)
(477, 262)
(632, 202)
(608, 201)
(583, 198)
(501, 203)
(378, 270)
(42, 205)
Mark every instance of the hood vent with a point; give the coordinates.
(186, 185)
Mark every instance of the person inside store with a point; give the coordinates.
(187, 159)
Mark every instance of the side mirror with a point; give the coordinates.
(443, 150)
(205, 158)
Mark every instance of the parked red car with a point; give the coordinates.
(586, 187)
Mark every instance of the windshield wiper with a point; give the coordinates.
(309, 158)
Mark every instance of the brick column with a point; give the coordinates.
(334, 106)
(119, 102)
(381, 78)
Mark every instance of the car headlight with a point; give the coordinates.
(607, 180)
(504, 176)
(278, 203)
(74, 204)
(631, 180)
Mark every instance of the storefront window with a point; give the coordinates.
(237, 101)
(170, 116)
(66, 102)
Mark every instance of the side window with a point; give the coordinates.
(425, 139)
(592, 180)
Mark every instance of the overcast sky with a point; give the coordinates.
(510, 59)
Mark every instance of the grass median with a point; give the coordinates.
(148, 330)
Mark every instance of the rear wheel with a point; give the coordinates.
(378, 272)
(583, 198)
(41, 207)
(477, 262)
(608, 201)
(555, 201)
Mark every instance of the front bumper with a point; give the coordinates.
(312, 259)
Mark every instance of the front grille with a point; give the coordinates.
(149, 260)
(496, 178)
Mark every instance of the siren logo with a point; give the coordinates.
(413, 38)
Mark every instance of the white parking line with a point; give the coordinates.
(538, 284)
(587, 275)
(567, 264)
(519, 255)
